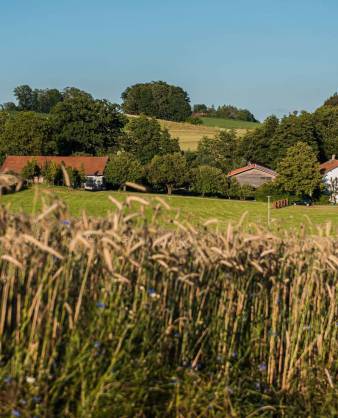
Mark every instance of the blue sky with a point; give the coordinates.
(271, 56)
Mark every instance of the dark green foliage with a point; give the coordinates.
(145, 139)
(123, 168)
(25, 97)
(226, 112)
(25, 133)
(168, 171)
(271, 189)
(194, 120)
(157, 99)
(292, 129)
(52, 173)
(256, 145)
(81, 124)
(298, 171)
(30, 170)
(332, 101)
(200, 108)
(208, 180)
(220, 152)
(46, 99)
(326, 122)
(8, 107)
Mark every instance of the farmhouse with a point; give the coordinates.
(329, 169)
(253, 175)
(92, 167)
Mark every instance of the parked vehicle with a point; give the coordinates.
(303, 202)
(94, 183)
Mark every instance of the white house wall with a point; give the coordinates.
(331, 175)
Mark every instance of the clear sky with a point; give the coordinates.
(271, 56)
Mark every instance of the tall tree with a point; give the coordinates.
(220, 152)
(25, 133)
(326, 122)
(81, 124)
(292, 129)
(208, 180)
(157, 99)
(122, 168)
(25, 97)
(299, 171)
(255, 146)
(145, 139)
(168, 171)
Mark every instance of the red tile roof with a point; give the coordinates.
(90, 165)
(251, 167)
(329, 165)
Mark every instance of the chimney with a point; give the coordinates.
(333, 157)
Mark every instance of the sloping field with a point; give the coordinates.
(190, 135)
(195, 210)
(229, 123)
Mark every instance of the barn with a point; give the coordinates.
(92, 167)
(254, 175)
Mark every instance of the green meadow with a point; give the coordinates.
(195, 210)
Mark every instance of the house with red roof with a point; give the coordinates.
(92, 167)
(329, 169)
(254, 175)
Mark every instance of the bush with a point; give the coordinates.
(270, 189)
(31, 170)
(194, 120)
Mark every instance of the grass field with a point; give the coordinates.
(196, 210)
(189, 135)
(229, 123)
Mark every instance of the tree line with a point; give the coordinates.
(142, 151)
(224, 111)
(156, 99)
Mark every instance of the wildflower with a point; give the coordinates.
(257, 385)
(30, 379)
(16, 413)
(22, 402)
(97, 344)
(8, 379)
(65, 222)
(176, 335)
(151, 292)
(100, 305)
(262, 367)
(235, 354)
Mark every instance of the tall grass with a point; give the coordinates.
(119, 318)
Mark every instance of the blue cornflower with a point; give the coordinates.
(258, 385)
(8, 379)
(262, 367)
(151, 291)
(97, 344)
(65, 222)
(100, 305)
(235, 354)
(176, 335)
(16, 413)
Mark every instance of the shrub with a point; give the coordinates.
(30, 170)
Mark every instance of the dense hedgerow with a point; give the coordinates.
(114, 317)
